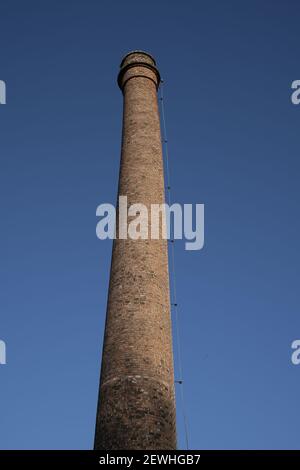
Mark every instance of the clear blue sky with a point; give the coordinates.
(234, 146)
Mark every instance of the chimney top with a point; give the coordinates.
(139, 53)
(137, 59)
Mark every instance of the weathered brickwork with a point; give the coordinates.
(136, 408)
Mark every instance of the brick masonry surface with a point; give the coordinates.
(136, 407)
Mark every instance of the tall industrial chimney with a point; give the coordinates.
(136, 407)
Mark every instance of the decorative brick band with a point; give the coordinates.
(130, 64)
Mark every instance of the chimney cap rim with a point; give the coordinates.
(138, 51)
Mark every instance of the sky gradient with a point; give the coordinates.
(234, 146)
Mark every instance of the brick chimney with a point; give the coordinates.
(136, 407)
